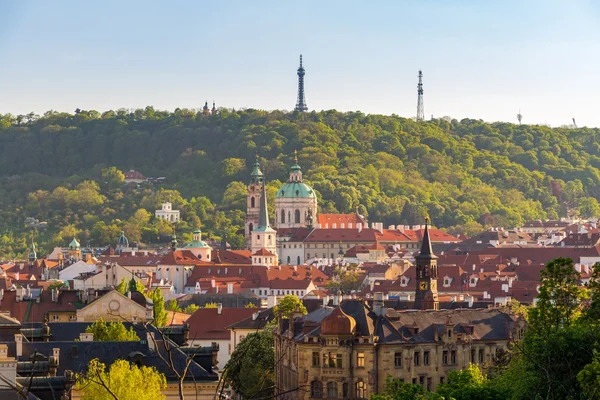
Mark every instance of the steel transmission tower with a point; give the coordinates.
(420, 109)
(301, 102)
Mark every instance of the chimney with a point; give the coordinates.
(54, 293)
(3, 351)
(18, 345)
(230, 288)
(359, 227)
(219, 308)
(150, 340)
(212, 283)
(470, 301)
(392, 227)
(255, 315)
(336, 300)
(378, 305)
(129, 294)
(86, 337)
(325, 301)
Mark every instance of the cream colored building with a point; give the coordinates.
(167, 213)
(349, 351)
(114, 306)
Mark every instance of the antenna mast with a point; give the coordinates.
(301, 102)
(519, 116)
(420, 109)
(574, 124)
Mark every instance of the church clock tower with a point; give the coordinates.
(253, 201)
(426, 296)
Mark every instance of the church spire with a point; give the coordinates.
(256, 176)
(426, 250)
(263, 219)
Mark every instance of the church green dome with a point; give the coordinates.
(295, 190)
(195, 244)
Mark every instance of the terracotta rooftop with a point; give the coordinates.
(207, 323)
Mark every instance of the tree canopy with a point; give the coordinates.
(123, 381)
(467, 175)
(111, 332)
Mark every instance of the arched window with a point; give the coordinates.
(297, 216)
(289, 260)
(316, 389)
(298, 262)
(250, 227)
(361, 390)
(283, 216)
(332, 390)
(252, 203)
(290, 216)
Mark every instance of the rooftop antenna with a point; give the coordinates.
(420, 109)
(519, 116)
(574, 124)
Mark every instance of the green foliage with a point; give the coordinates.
(173, 306)
(111, 332)
(250, 369)
(122, 287)
(210, 305)
(289, 305)
(191, 309)
(250, 305)
(345, 279)
(397, 390)
(123, 381)
(158, 308)
(466, 174)
(589, 378)
(470, 384)
(58, 285)
(555, 359)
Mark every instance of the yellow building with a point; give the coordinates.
(114, 306)
(349, 351)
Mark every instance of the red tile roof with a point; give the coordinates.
(232, 256)
(263, 252)
(133, 175)
(207, 323)
(338, 219)
(410, 235)
(128, 260)
(367, 235)
(31, 311)
(180, 257)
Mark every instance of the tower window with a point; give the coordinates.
(297, 216)
(283, 216)
(252, 202)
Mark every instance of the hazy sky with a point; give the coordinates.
(480, 59)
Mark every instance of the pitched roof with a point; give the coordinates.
(263, 252)
(366, 235)
(131, 174)
(207, 323)
(180, 257)
(348, 220)
(32, 311)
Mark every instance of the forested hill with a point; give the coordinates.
(466, 174)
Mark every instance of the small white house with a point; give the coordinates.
(167, 213)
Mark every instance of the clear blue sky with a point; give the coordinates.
(480, 59)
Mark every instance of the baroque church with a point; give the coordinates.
(295, 208)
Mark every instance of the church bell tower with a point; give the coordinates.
(426, 296)
(253, 201)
